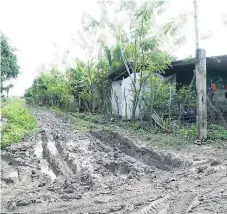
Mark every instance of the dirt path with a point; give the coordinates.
(61, 170)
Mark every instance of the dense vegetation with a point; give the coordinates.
(138, 39)
(17, 121)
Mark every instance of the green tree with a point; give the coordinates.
(50, 88)
(9, 66)
(146, 44)
(139, 39)
(89, 84)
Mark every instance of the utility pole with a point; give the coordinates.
(201, 81)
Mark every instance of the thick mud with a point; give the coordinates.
(61, 170)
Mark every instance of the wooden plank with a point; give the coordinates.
(201, 101)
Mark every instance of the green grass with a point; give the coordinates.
(19, 122)
(217, 132)
(184, 135)
(157, 137)
(82, 121)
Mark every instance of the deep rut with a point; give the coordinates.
(54, 158)
(163, 161)
(181, 203)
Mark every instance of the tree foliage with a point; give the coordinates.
(51, 89)
(9, 66)
(89, 83)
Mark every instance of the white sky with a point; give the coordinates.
(42, 30)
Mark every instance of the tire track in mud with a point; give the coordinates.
(154, 206)
(54, 159)
(177, 203)
(145, 155)
(44, 164)
(181, 203)
(64, 154)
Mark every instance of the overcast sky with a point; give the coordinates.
(42, 30)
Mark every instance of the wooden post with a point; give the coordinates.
(201, 101)
(201, 81)
(196, 24)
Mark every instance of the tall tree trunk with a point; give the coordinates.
(79, 103)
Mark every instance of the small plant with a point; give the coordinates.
(188, 132)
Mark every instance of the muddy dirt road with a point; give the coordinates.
(61, 170)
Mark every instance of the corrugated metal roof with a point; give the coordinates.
(213, 61)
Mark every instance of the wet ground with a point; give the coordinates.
(61, 170)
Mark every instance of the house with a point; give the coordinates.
(122, 95)
(216, 76)
(179, 73)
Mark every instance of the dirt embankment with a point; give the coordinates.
(61, 170)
